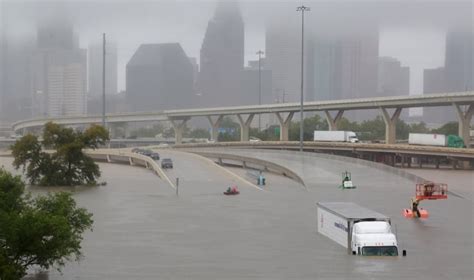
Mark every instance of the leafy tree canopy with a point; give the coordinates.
(45, 231)
(66, 165)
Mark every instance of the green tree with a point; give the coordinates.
(45, 231)
(419, 128)
(67, 165)
(199, 133)
(147, 131)
(345, 124)
(309, 126)
(372, 129)
(232, 130)
(448, 128)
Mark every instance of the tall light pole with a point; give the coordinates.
(260, 52)
(103, 80)
(302, 9)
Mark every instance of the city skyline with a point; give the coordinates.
(426, 41)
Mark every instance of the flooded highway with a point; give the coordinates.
(142, 230)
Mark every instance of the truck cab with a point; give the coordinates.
(373, 238)
(351, 137)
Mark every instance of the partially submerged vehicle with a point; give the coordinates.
(347, 181)
(423, 191)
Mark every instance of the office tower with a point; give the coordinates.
(159, 77)
(393, 79)
(455, 76)
(59, 72)
(222, 57)
(282, 57)
(459, 60)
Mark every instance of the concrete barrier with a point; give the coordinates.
(126, 157)
(223, 158)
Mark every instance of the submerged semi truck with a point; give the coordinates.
(360, 230)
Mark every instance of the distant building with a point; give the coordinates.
(342, 65)
(59, 71)
(222, 57)
(15, 79)
(455, 76)
(95, 61)
(250, 86)
(282, 57)
(393, 79)
(459, 60)
(159, 77)
(434, 81)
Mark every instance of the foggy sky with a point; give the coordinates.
(411, 31)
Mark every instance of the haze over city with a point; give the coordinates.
(411, 32)
(236, 139)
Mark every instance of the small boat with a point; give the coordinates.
(232, 193)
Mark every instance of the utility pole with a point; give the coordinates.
(259, 53)
(103, 80)
(302, 9)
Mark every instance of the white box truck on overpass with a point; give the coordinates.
(335, 136)
(360, 230)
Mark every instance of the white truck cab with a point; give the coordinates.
(374, 239)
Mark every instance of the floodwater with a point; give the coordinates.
(143, 230)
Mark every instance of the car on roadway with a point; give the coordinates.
(155, 156)
(166, 163)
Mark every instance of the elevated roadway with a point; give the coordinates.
(391, 154)
(284, 113)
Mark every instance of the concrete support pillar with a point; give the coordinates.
(178, 126)
(390, 124)
(333, 122)
(284, 125)
(215, 126)
(245, 126)
(464, 118)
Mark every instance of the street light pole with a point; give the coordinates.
(103, 80)
(260, 52)
(302, 9)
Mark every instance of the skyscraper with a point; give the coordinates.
(459, 60)
(59, 72)
(393, 79)
(94, 57)
(340, 63)
(222, 57)
(282, 53)
(455, 76)
(159, 77)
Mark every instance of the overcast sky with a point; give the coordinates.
(411, 31)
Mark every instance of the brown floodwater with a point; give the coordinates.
(142, 230)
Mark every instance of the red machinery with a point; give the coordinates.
(427, 190)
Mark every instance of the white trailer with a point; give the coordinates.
(335, 136)
(427, 139)
(360, 230)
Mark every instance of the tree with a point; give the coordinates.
(231, 130)
(448, 128)
(45, 231)
(309, 126)
(199, 133)
(67, 165)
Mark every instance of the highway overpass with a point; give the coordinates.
(390, 108)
